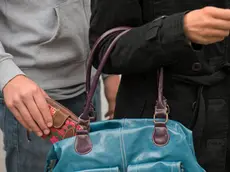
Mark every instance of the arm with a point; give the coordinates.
(24, 98)
(111, 85)
(8, 69)
(157, 43)
(145, 47)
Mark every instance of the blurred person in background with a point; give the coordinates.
(111, 85)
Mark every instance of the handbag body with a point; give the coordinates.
(126, 145)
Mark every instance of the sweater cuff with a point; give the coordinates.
(8, 70)
(172, 34)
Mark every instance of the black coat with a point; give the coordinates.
(197, 81)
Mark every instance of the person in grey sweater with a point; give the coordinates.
(43, 52)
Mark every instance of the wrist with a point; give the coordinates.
(8, 71)
(111, 104)
(194, 46)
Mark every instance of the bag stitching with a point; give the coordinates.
(123, 163)
(122, 137)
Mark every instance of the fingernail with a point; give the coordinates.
(39, 134)
(49, 124)
(46, 131)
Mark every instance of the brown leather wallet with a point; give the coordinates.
(65, 122)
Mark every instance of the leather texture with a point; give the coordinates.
(127, 145)
(65, 123)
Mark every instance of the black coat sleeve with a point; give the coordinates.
(145, 47)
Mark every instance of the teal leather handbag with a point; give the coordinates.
(126, 145)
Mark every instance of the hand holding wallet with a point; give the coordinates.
(65, 122)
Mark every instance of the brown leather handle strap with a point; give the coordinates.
(160, 88)
(90, 59)
(161, 105)
(90, 91)
(83, 144)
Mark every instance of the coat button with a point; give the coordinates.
(196, 67)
